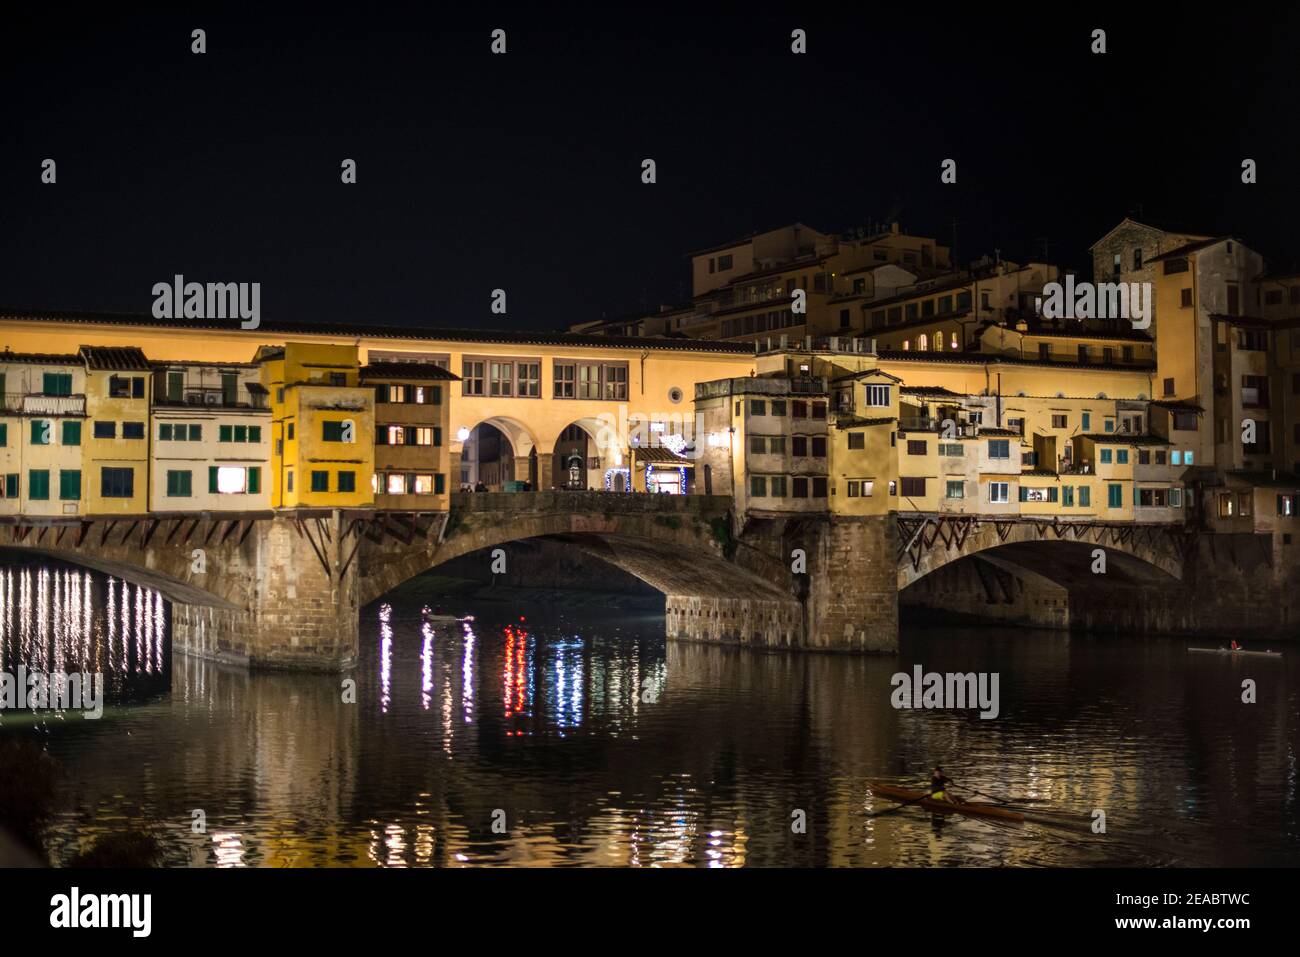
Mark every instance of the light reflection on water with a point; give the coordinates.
(603, 744)
(61, 619)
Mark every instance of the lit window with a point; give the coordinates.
(231, 480)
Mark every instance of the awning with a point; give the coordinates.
(657, 455)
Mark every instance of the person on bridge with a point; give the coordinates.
(938, 785)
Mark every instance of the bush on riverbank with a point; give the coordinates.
(27, 796)
(136, 847)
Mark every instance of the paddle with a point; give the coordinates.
(906, 803)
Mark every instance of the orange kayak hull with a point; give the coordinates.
(946, 807)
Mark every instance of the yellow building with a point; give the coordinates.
(412, 467)
(322, 426)
(41, 431)
(116, 450)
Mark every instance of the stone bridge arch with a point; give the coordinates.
(676, 544)
(927, 543)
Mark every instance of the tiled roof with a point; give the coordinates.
(1124, 438)
(40, 358)
(353, 330)
(660, 456)
(115, 358)
(926, 390)
(853, 422)
(1265, 479)
(407, 370)
(1188, 248)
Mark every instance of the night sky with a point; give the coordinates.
(522, 171)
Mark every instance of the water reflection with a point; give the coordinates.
(57, 618)
(602, 744)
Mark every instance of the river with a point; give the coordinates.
(556, 734)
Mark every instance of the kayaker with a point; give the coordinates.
(938, 783)
(1235, 646)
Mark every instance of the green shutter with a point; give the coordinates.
(437, 435)
(439, 483)
(38, 432)
(165, 432)
(4, 434)
(241, 433)
(70, 484)
(255, 433)
(196, 433)
(254, 480)
(212, 478)
(38, 484)
(224, 433)
(11, 485)
(71, 432)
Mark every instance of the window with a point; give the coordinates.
(776, 444)
(724, 263)
(42, 432)
(1105, 456)
(179, 484)
(288, 431)
(395, 483)
(1067, 496)
(501, 378)
(588, 381)
(1109, 425)
(1175, 457)
(799, 409)
(999, 493)
(105, 430)
(913, 487)
(878, 396)
(1083, 354)
(565, 380)
(820, 487)
(1254, 391)
(758, 486)
(951, 449)
(1185, 298)
(119, 387)
(38, 485)
(530, 379)
(4, 435)
(799, 487)
(999, 448)
(320, 481)
(1227, 505)
(11, 485)
(288, 481)
(1087, 422)
(57, 383)
(1037, 494)
(860, 488)
(1044, 351)
(347, 481)
(757, 407)
(1169, 386)
(439, 483)
(1060, 421)
(819, 446)
(338, 379)
(1085, 496)
(799, 445)
(819, 410)
(117, 482)
(1121, 456)
(330, 432)
(857, 440)
(956, 489)
(916, 446)
(1115, 496)
(778, 407)
(133, 430)
(472, 376)
(757, 444)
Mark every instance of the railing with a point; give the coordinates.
(37, 404)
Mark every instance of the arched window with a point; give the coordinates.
(954, 344)
(938, 342)
(923, 343)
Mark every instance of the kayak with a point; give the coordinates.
(972, 808)
(1239, 651)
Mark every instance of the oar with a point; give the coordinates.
(906, 803)
(991, 797)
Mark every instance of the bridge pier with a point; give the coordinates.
(300, 604)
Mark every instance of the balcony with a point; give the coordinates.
(37, 404)
(206, 398)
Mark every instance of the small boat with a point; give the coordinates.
(1238, 651)
(972, 808)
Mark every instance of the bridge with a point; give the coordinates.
(282, 589)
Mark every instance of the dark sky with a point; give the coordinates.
(523, 171)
